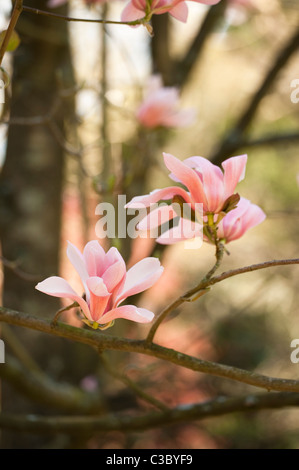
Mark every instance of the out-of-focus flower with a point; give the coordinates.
(106, 283)
(238, 11)
(137, 9)
(245, 216)
(161, 107)
(58, 3)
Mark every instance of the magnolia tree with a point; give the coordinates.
(202, 206)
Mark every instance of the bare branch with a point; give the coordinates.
(235, 136)
(17, 10)
(106, 342)
(187, 297)
(56, 16)
(86, 425)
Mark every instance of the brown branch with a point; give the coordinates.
(283, 139)
(206, 283)
(187, 296)
(56, 16)
(86, 425)
(17, 10)
(104, 342)
(234, 138)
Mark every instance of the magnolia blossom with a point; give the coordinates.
(209, 191)
(245, 216)
(161, 107)
(137, 9)
(106, 283)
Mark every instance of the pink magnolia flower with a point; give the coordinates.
(206, 183)
(137, 9)
(161, 107)
(208, 192)
(245, 216)
(106, 283)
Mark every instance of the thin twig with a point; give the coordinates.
(14, 266)
(235, 136)
(187, 296)
(56, 16)
(131, 384)
(17, 10)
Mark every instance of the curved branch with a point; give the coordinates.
(105, 342)
(186, 297)
(83, 425)
(209, 281)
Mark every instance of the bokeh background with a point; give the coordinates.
(70, 139)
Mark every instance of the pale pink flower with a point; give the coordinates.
(106, 284)
(245, 216)
(238, 11)
(161, 107)
(58, 3)
(137, 9)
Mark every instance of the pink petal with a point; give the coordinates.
(130, 13)
(157, 217)
(187, 176)
(128, 312)
(203, 165)
(114, 275)
(94, 255)
(180, 12)
(59, 287)
(77, 260)
(165, 194)
(214, 188)
(99, 297)
(185, 230)
(140, 277)
(239, 220)
(251, 218)
(234, 171)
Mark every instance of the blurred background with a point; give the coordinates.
(70, 138)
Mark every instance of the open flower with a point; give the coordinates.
(106, 283)
(245, 216)
(137, 9)
(161, 107)
(209, 191)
